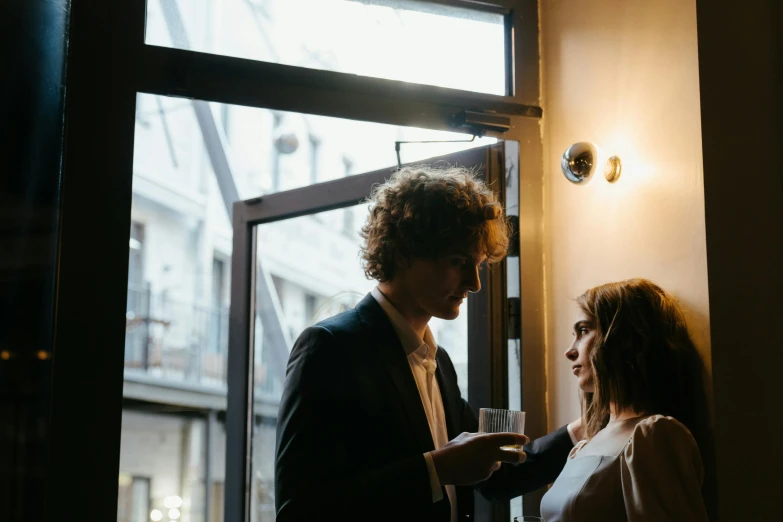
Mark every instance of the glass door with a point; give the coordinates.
(296, 262)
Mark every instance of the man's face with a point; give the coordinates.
(437, 287)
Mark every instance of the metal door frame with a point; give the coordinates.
(487, 378)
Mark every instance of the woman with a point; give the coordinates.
(632, 357)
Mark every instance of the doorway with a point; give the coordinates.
(319, 227)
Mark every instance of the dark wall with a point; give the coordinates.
(740, 52)
(32, 52)
(92, 260)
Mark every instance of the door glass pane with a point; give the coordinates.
(412, 41)
(308, 269)
(269, 151)
(179, 273)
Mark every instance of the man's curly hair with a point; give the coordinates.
(423, 212)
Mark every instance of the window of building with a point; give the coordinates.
(315, 146)
(133, 499)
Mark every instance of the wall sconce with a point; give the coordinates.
(581, 160)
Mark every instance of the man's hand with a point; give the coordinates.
(472, 457)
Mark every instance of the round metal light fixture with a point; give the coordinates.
(578, 162)
(581, 160)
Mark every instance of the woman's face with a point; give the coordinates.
(579, 351)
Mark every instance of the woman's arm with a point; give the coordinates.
(662, 473)
(546, 457)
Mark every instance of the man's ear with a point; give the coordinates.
(402, 262)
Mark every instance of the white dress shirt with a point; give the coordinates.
(421, 358)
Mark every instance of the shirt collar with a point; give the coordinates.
(410, 340)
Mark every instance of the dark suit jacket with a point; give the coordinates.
(352, 431)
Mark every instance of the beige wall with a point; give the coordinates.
(624, 75)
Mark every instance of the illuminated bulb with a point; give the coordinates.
(612, 169)
(174, 513)
(172, 502)
(156, 515)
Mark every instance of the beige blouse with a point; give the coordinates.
(643, 469)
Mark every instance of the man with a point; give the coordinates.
(371, 402)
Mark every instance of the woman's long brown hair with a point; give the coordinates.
(643, 357)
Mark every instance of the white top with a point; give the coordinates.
(645, 469)
(421, 358)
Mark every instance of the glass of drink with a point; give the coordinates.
(493, 420)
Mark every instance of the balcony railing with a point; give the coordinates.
(184, 343)
(175, 341)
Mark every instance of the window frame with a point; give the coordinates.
(486, 312)
(108, 64)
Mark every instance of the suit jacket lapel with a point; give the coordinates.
(382, 337)
(449, 392)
